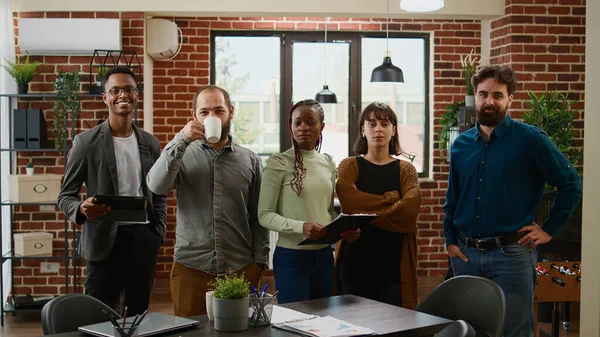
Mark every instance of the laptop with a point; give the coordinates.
(154, 323)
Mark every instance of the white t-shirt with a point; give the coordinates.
(129, 167)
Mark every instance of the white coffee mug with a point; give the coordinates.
(212, 129)
(209, 301)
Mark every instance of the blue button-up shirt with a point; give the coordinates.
(496, 187)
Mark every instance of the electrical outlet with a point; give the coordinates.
(47, 208)
(49, 267)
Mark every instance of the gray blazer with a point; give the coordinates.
(92, 162)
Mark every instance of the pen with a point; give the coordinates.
(124, 316)
(142, 318)
(264, 291)
(255, 291)
(111, 318)
(135, 320)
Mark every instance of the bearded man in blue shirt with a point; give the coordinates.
(497, 176)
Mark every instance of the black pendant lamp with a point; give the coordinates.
(387, 71)
(326, 96)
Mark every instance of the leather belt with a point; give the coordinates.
(491, 243)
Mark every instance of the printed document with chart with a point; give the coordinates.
(316, 326)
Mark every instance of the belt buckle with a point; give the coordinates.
(477, 241)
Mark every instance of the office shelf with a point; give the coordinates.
(30, 150)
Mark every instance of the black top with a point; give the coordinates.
(376, 254)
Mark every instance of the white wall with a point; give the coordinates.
(468, 9)
(590, 276)
(7, 85)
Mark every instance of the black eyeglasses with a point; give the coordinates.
(130, 91)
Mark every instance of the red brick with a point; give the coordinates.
(243, 25)
(264, 25)
(82, 15)
(221, 25)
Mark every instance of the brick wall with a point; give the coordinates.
(175, 81)
(27, 276)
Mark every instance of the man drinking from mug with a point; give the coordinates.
(217, 183)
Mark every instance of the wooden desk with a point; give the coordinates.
(386, 320)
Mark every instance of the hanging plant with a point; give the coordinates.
(66, 105)
(449, 122)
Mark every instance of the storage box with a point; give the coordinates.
(35, 188)
(29, 244)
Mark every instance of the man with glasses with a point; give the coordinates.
(113, 158)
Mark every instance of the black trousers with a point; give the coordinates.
(128, 272)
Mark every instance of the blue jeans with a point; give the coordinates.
(303, 274)
(512, 267)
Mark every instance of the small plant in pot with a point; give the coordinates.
(97, 89)
(29, 168)
(469, 65)
(230, 302)
(22, 72)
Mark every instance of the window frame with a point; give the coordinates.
(287, 39)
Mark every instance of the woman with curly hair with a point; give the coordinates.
(381, 264)
(296, 200)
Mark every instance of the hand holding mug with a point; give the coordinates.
(194, 130)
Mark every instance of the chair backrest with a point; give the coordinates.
(476, 300)
(458, 328)
(67, 313)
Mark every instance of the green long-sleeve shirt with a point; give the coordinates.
(280, 209)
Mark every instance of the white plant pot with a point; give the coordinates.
(231, 315)
(469, 100)
(29, 171)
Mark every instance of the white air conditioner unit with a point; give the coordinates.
(68, 36)
(162, 40)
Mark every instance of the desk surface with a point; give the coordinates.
(385, 319)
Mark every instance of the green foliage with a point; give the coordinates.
(552, 112)
(449, 120)
(22, 72)
(244, 125)
(469, 64)
(230, 286)
(66, 103)
(100, 72)
(30, 164)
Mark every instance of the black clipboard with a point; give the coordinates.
(339, 225)
(123, 208)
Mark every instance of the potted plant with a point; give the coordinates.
(97, 89)
(553, 113)
(22, 72)
(65, 105)
(469, 65)
(449, 131)
(29, 168)
(230, 302)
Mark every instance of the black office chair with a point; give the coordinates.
(476, 300)
(457, 329)
(68, 312)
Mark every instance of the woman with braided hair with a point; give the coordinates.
(296, 200)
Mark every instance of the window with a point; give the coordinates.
(288, 66)
(252, 80)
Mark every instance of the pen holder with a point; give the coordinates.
(261, 309)
(127, 331)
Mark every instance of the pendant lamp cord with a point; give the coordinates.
(326, 22)
(387, 25)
